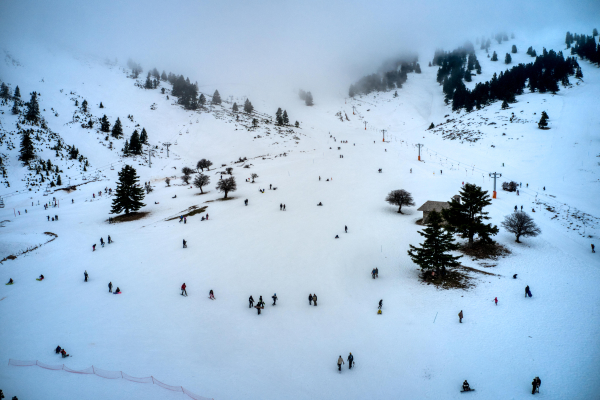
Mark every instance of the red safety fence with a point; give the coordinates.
(107, 374)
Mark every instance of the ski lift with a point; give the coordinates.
(1, 202)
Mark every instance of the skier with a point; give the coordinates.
(109, 287)
(64, 353)
(373, 273)
(537, 382)
(320, 204)
(270, 186)
(94, 247)
(350, 361)
(48, 217)
(315, 299)
(274, 297)
(376, 272)
(57, 350)
(183, 289)
(526, 290)
(211, 295)
(593, 248)
(85, 276)
(284, 207)
(280, 206)
(251, 301)
(466, 387)
(184, 244)
(496, 300)
(460, 316)
(346, 228)
(337, 237)
(319, 178)
(515, 276)
(310, 299)
(340, 362)
(380, 304)
(41, 278)
(246, 202)
(515, 208)
(184, 220)
(101, 242)
(109, 240)
(521, 208)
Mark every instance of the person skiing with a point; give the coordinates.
(102, 242)
(274, 297)
(515, 276)
(211, 295)
(536, 383)
(460, 316)
(376, 272)
(315, 299)
(496, 300)
(515, 208)
(57, 350)
(184, 220)
(183, 289)
(593, 248)
(350, 361)
(320, 204)
(41, 278)
(109, 240)
(10, 281)
(260, 304)
(373, 273)
(346, 228)
(466, 387)
(284, 207)
(246, 202)
(340, 362)
(526, 290)
(109, 287)
(180, 218)
(85, 276)
(251, 301)
(310, 299)
(64, 353)
(184, 244)
(337, 237)
(380, 304)
(94, 247)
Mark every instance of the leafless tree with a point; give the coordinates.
(400, 198)
(227, 185)
(201, 180)
(521, 224)
(229, 170)
(168, 181)
(254, 176)
(204, 163)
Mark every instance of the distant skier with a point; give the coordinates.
(593, 248)
(460, 316)
(340, 362)
(310, 299)
(376, 272)
(337, 237)
(526, 290)
(109, 240)
(57, 350)
(315, 299)
(64, 353)
(85, 276)
(373, 273)
(183, 289)
(117, 291)
(515, 276)
(465, 386)
(211, 295)
(496, 301)
(184, 244)
(251, 301)
(350, 361)
(41, 278)
(515, 208)
(101, 242)
(94, 247)
(109, 287)
(246, 202)
(274, 297)
(284, 207)
(380, 304)
(536, 383)
(184, 220)
(346, 228)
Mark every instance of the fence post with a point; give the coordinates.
(121, 374)
(94, 371)
(152, 379)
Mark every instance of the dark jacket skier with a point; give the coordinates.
(110, 287)
(274, 297)
(58, 349)
(526, 290)
(310, 299)
(251, 301)
(85, 276)
(380, 303)
(350, 360)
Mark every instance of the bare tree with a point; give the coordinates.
(201, 180)
(187, 171)
(400, 198)
(186, 179)
(227, 185)
(229, 170)
(204, 163)
(254, 176)
(521, 224)
(168, 181)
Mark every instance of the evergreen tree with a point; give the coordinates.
(144, 136)
(128, 197)
(15, 108)
(135, 146)
(17, 93)
(216, 98)
(126, 148)
(309, 99)
(468, 76)
(434, 251)
(33, 109)
(104, 124)
(163, 76)
(4, 91)
(248, 107)
(578, 74)
(117, 130)
(466, 216)
(595, 32)
(507, 59)
(279, 116)
(148, 84)
(543, 120)
(352, 91)
(101, 105)
(27, 152)
(297, 124)
(84, 106)
(477, 67)
(59, 181)
(514, 49)
(202, 100)
(235, 107)
(285, 118)
(417, 68)
(494, 57)
(504, 105)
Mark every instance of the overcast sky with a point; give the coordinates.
(295, 42)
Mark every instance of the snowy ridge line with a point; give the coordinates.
(107, 375)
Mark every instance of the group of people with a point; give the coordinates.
(110, 286)
(341, 361)
(55, 218)
(61, 351)
(102, 243)
(260, 304)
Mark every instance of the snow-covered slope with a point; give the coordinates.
(222, 349)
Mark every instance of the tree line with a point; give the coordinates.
(384, 81)
(585, 46)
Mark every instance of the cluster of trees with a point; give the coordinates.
(5, 93)
(152, 82)
(186, 92)
(307, 97)
(531, 52)
(384, 81)
(282, 118)
(465, 217)
(455, 66)
(585, 46)
(136, 69)
(542, 75)
(134, 144)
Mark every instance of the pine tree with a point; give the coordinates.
(235, 107)
(248, 107)
(468, 75)
(202, 100)
(128, 197)
(59, 181)
(494, 57)
(279, 116)
(163, 76)
(15, 108)
(504, 105)
(477, 67)
(27, 152)
(84, 106)
(216, 98)
(17, 93)
(514, 49)
(507, 59)
(417, 68)
(33, 109)
(117, 130)
(309, 99)
(434, 251)
(595, 32)
(4, 91)
(466, 216)
(285, 118)
(543, 120)
(135, 146)
(144, 136)
(104, 124)
(148, 84)
(101, 105)
(126, 148)
(297, 124)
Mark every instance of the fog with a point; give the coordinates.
(309, 43)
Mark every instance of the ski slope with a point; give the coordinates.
(221, 349)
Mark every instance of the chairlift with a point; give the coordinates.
(1, 202)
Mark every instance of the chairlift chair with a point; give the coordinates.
(1, 202)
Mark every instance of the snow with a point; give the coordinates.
(221, 349)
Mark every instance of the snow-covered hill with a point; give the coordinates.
(221, 349)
